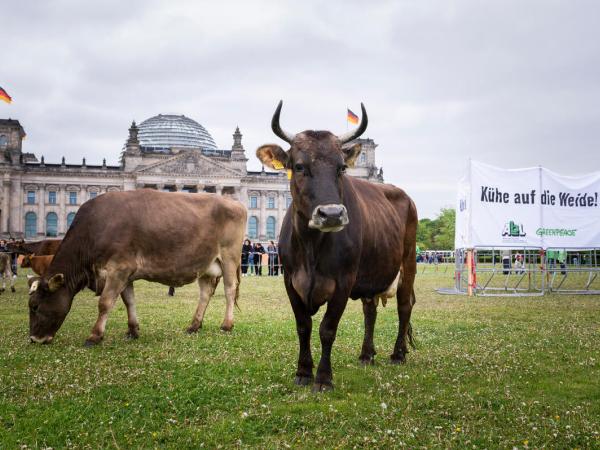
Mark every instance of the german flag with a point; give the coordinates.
(352, 118)
(4, 96)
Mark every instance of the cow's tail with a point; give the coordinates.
(237, 288)
(411, 339)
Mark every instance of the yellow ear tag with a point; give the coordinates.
(289, 173)
(277, 164)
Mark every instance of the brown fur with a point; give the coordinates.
(39, 264)
(120, 237)
(6, 272)
(326, 261)
(45, 247)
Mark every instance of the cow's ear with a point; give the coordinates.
(351, 154)
(56, 282)
(273, 156)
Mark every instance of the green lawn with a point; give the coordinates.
(487, 373)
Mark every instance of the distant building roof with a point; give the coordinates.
(165, 131)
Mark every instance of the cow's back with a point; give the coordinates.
(154, 230)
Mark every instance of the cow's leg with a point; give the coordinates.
(129, 299)
(304, 373)
(12, 282)
(406, 300)
(114, 285)
(327, 333)
(367, 355)
(206, 285)
(231, 284)
(3, 284)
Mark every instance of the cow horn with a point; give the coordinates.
(287, 137)
(351, 135)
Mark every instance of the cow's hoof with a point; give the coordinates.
(92, 341)
(398, 359)
(367, 360)
(2, 290)
(303, 381)
(132, 334)
(12, 289)
(322, 387)
(193, 329)
(226, 327)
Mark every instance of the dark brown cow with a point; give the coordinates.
(40, 248)
(119, 237)
(342, 237)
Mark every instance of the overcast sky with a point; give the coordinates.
(509, 83)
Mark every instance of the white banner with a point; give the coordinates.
(527, 208)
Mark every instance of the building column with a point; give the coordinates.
(41, 210)
(219, 189)
(280, 211)
(5, 203)
(16, 205)
(243, 197)
(262, 233)
(62, 209)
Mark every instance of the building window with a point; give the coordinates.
(3, 140)
(93, 195)
(271, 202)
(52, 197)
(253, 201)
(70, 218)
(30, 225)
(362, 158)
(72, 198)
(288, 201)
(52, 224)
(253, 227)
(271, 227)
(30, 197)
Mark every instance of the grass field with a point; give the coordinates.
(487, 373)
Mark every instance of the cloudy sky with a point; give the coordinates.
(510, 83)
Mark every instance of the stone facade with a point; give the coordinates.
(39, 199)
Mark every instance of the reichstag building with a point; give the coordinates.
(167, 152)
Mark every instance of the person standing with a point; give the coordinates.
(246, 250)
(14, 257)
(258, 252)
(272, 252)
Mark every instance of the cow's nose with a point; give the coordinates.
(331, 211)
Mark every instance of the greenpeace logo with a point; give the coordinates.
(556, 232)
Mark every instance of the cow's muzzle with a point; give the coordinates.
(329, 218)
(44, 340)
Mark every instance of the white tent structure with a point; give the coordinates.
(537, 226)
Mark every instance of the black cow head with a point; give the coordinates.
(316, 163)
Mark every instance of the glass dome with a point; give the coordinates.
(159, 133)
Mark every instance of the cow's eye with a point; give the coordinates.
(299, 167)
(34, 308)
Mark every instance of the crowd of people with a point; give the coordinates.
(255, 256)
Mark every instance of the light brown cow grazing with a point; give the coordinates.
(6, 272)
(39, 264)
(119, 237)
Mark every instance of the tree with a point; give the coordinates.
(437, 234)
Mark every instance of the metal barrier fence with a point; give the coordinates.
(526, 271)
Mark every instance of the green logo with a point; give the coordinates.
(556, 232)
(513, 229)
